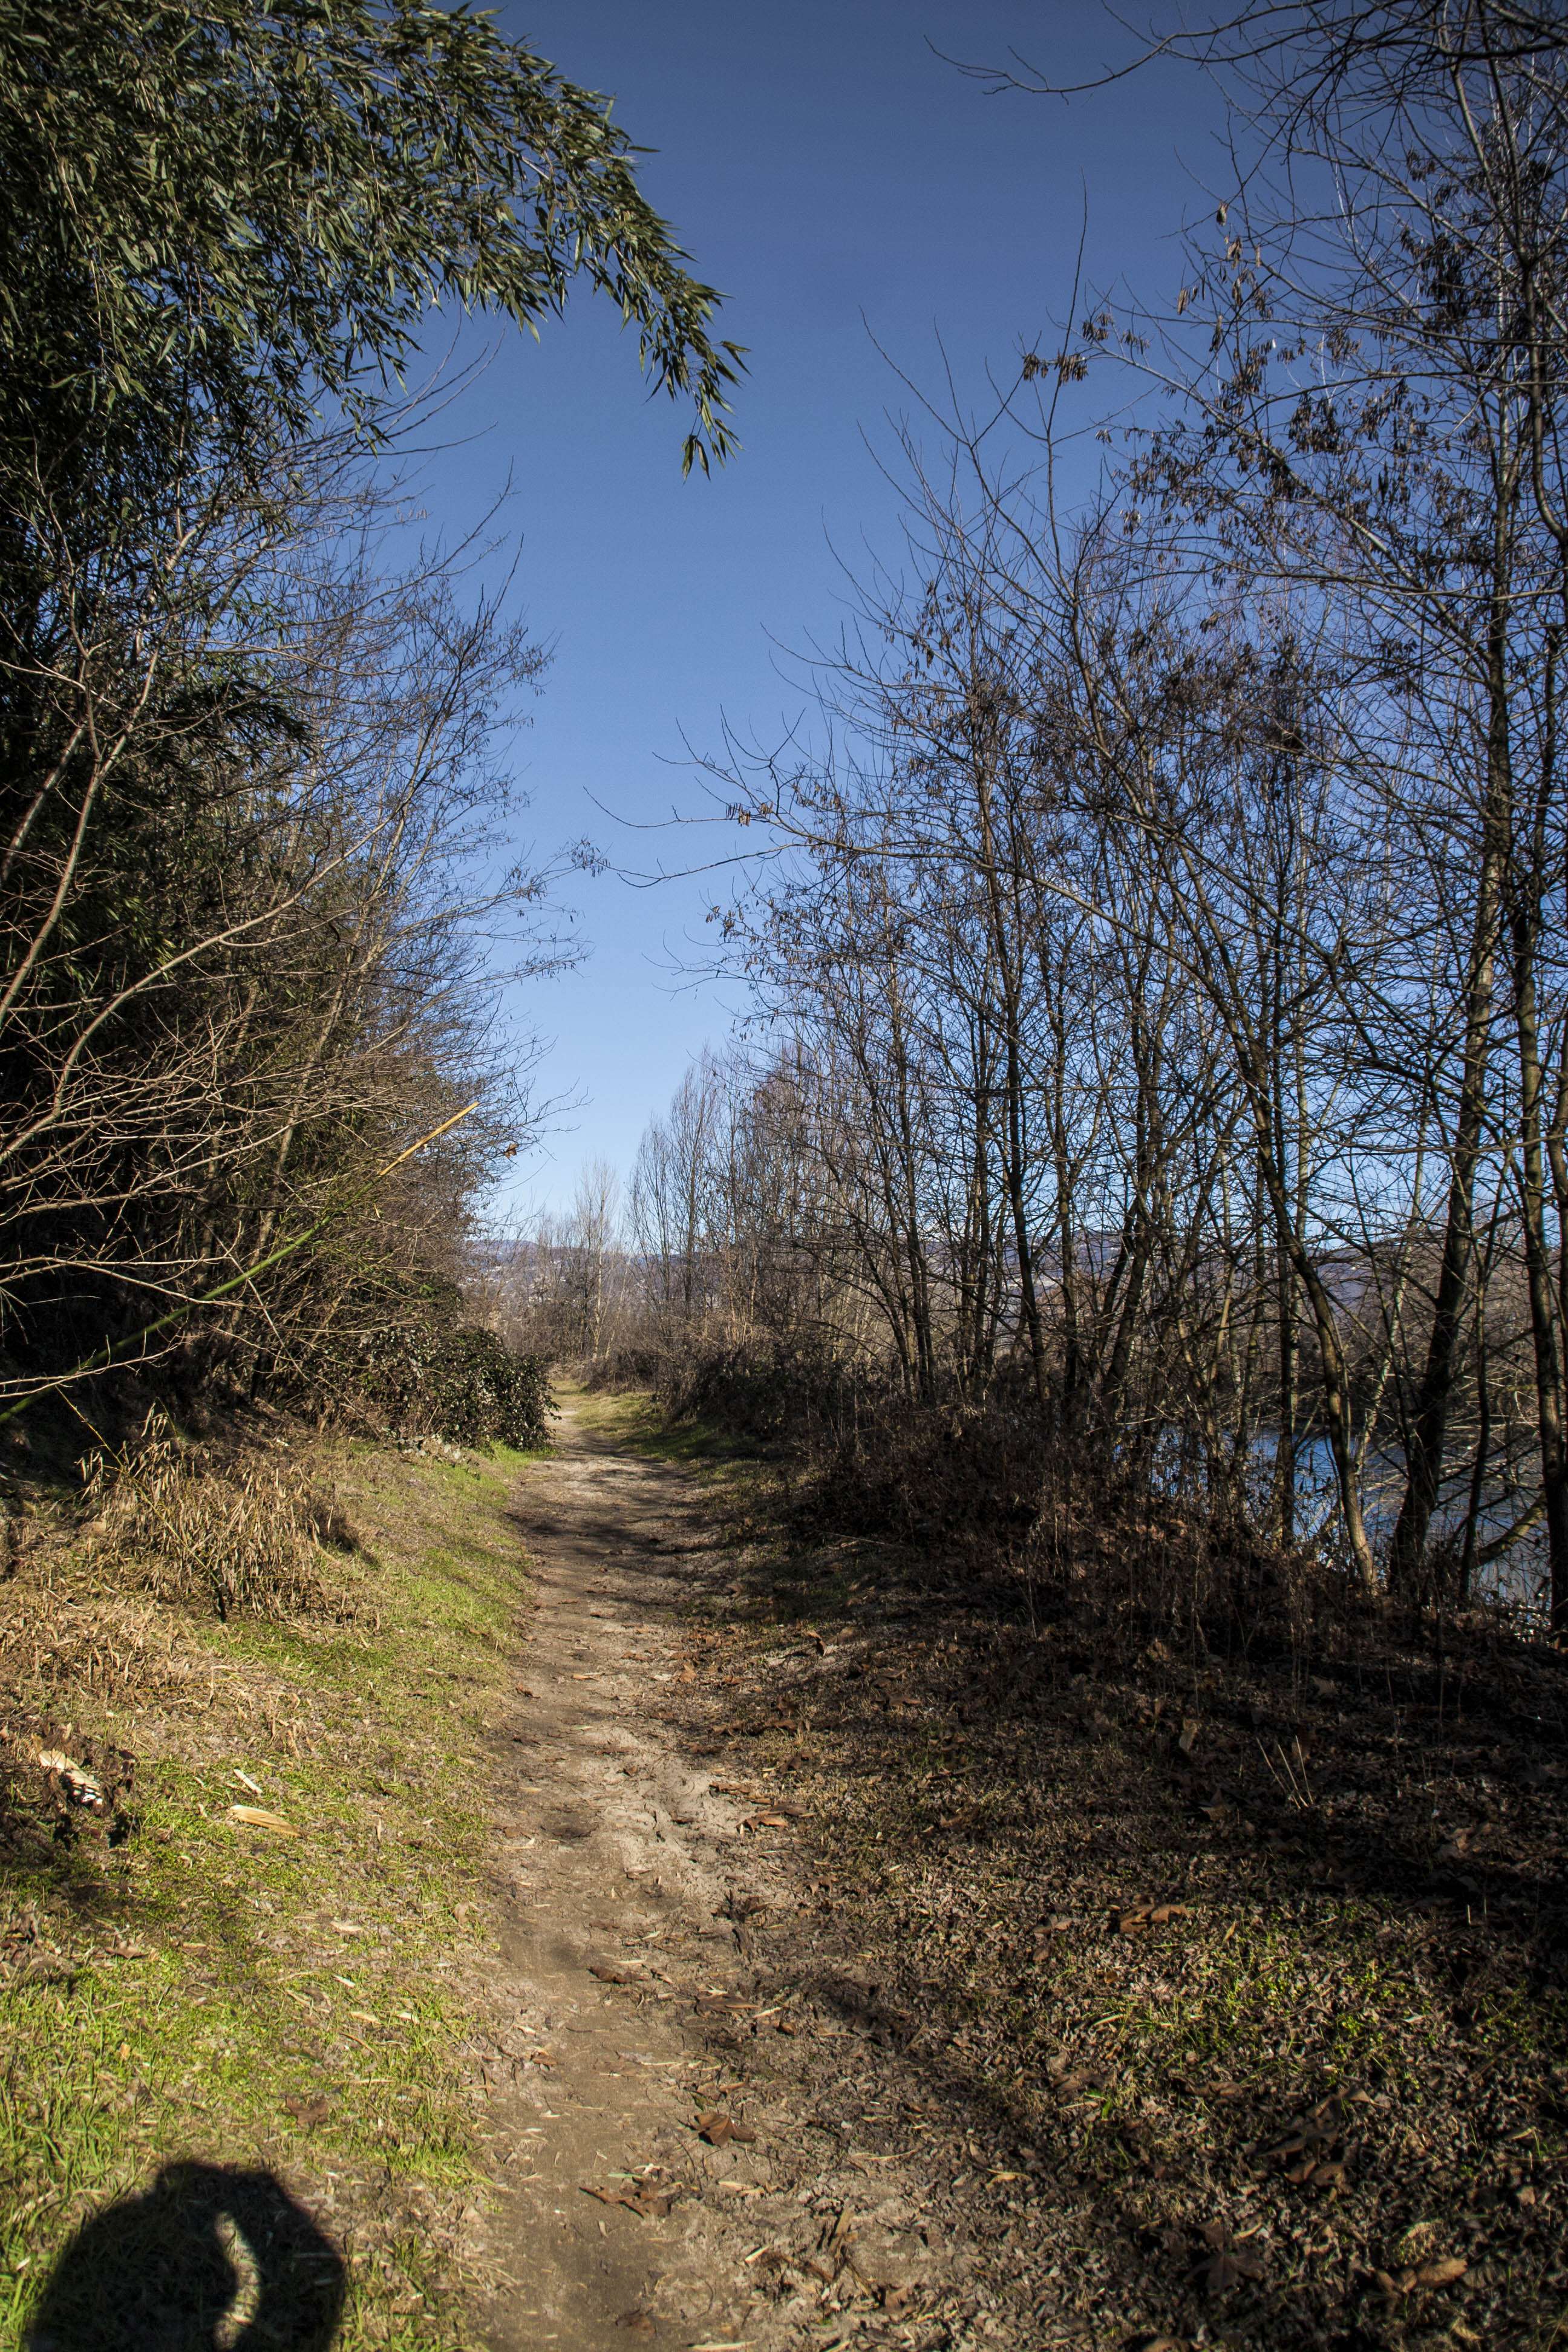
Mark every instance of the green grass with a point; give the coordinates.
(634, 1420)
(236, 2001)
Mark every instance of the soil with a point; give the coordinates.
(887, 1967)
(664, 1964)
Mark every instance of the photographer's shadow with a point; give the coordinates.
(208, 2260)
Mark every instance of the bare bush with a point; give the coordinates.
(243, 1539)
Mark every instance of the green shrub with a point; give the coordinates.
(464, 1385)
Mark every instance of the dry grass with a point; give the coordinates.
(242, 1536)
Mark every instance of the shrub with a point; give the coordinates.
(465, 1385)
(797, 1393)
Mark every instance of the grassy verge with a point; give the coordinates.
(212, 1993)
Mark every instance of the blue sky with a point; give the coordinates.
(845, 188)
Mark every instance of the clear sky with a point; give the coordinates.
(845, 188)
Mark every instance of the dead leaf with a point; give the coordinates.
(717, 2128)
(1067, 2086)
(1141, 1915)
(257, 1817)
(637, 2197)
(1225, 2268)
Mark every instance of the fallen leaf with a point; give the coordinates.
(256, 1817)
(1067, 2086)
(1142, 1916)
(1225, 2263)
(717, 2128)
(637, 2197)
(1217, 2272)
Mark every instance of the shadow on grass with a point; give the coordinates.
(632, 1418)
(209, 2259)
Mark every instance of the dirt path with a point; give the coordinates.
(641, 1880)
(614, 1860)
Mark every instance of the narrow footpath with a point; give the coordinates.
(674, 2165)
